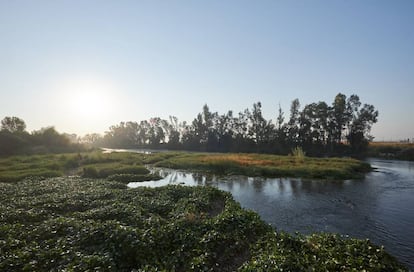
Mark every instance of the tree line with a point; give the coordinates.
(15, 140)
(342, 128)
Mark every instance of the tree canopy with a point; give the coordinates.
(14, 139)
(13, 124)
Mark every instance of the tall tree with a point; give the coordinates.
(306, 124)
(339, 117)
(259, 127)
(13, 124)
(361, 126)
(321, 123)
(293, 124)
(280, 118)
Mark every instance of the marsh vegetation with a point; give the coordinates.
(131, 166)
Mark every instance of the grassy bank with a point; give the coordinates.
(80, 224)
(131, 167)
(391, 150)
(115, 166)
(269, 165)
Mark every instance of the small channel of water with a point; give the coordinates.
(380, 207)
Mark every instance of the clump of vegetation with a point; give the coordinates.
(78, 224)
(298, 153)
(318, 252)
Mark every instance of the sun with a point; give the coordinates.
(88, 102)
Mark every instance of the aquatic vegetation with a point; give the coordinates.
(79, 224)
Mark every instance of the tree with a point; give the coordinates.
(361, 126)
(321, 123)
(13, 143)
(280, 119)
(122, 135)
(339, 117)
(173, 132)
(293, 124)
(306, 124)
(259, 127)
(224, 129)
(93, 139)
(13, 124)
(156, 133)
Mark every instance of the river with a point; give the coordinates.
(379, 207)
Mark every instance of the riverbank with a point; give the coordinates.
(127, 167)
(75, 223)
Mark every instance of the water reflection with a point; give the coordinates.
(380, 207)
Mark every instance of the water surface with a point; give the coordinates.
(380, 207)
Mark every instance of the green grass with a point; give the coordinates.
(269, 165)
(80, 224)
(91, 164)
(99, 165)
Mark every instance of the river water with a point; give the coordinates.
(380, 207)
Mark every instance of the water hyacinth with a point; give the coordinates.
(79, 224)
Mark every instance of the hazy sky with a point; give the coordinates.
(83, 66)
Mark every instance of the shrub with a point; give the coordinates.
(298, 153)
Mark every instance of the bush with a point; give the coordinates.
(298, 153)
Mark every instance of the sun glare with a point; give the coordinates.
(88, 102)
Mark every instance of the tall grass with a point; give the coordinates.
(298, 153)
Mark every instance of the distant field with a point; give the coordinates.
(392, 150)
(131, 166)
(398, 144)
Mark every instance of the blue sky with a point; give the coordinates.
(83, 66)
